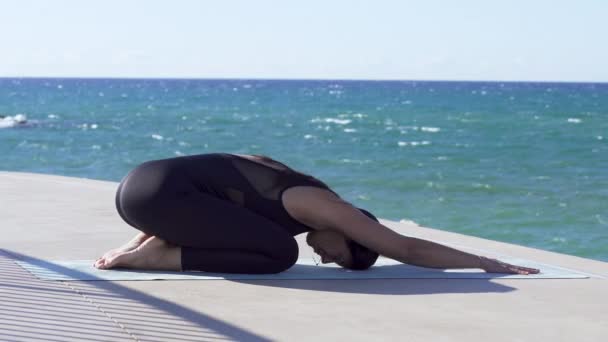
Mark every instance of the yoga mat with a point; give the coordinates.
(304, 269)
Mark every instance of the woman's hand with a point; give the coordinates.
(497, 266)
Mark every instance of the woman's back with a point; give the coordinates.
(266, 180)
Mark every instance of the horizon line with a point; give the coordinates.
(293, 79)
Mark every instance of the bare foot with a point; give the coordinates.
(152, 254)
(129, 246)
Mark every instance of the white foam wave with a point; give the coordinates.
(574, 120)
(12, 121)
(86, 126)
(404, 129)
(413, 143)
(430, 129)
(27, 144)
(157, 137)
(332, 120)
(482, 185)
(339, 121)
(355, 161)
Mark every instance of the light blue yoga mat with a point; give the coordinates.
(304, 269)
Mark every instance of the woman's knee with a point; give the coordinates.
(141, 191)
(286, 256)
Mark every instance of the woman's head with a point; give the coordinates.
(333, 246)
(363, 257)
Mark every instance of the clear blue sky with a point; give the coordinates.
(329, 39)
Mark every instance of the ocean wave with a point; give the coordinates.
(413, 143)
(354, 161)
(332, 120)
(430, 129)
(559, 239)
(12, 121)
(85, 126)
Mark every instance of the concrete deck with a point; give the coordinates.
(55, 217)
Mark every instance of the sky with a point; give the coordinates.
(515, 40)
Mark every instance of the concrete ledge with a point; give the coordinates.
(56, 217)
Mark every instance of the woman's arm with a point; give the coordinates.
(324, 209)
(430, 254)
(425, 253)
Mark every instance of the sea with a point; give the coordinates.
(524, 163)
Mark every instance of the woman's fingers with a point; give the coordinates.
(523, 270)
(520, 271)
(498, 266)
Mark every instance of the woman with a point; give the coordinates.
(233, 213)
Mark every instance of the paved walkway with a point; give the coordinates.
(54, 217)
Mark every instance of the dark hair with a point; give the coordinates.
(363, 257)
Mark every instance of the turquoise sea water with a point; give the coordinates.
(519, 162)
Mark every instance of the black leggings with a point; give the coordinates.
(163, 198)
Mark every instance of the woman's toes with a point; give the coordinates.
(119, 259)
(154, 253)
(101, 263)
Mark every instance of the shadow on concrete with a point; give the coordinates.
(388, 286)
(433, 283)
(409, 286)
(50, 310)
